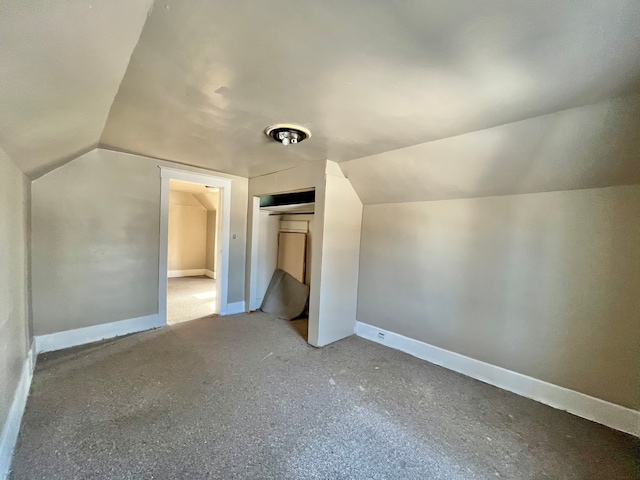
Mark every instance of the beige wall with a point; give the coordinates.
(14, 331)
(211, 201)
(212, 240)
(542, 284)
(308, 218)
(95, 241)
(187, 246)
(267, 253)
(342, 225)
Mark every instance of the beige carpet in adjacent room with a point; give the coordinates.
(189, 298)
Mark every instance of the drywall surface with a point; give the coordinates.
(212, 240)
(14, 334)
(187, 246)
(269, 225)
(369, 77)
(308, 218)
(62, 62)
(95, 224)
(340, 257)
(310, 175)
(586, 147)
(95, 241)
(541, 284)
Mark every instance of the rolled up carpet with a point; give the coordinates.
(286, 297)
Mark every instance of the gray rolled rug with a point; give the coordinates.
(286, 297)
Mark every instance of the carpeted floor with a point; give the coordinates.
(189, 298)
(246, 397)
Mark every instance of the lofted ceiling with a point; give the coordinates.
(587, 147)
(380, 84)
(189, 187)
(61, 62)
(365, 76)
(209, 199)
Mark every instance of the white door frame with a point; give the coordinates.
(224, 228)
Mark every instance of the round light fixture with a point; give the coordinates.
(287, 134)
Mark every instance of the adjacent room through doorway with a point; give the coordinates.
(192, 247)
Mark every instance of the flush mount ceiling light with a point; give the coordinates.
(287, 134)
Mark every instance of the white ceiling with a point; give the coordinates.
(61, 62)
(366, 77)
(207, 76)
(209, 199)
(587, 147)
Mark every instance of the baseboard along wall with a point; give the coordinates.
(48, 343)
(11, 429)
(196, 272)
(59, 341)
(81, 336)
(600, 411)
(233, 308)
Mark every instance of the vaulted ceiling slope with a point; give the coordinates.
(365, 76)
(61, 62)
(586, 147)
(207, 76)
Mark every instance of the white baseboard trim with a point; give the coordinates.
(11, 428)
(196, 272)
(233, 308)
(615, 416)
(210, 273)
(81, 336)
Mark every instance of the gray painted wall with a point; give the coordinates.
(95, 241)
(542, 284)
(14, 332)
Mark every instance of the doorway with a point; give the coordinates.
(192, 240)
(194, 245)
(285, 236)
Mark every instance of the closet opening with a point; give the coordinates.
(285, 238)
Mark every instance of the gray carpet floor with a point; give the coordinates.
(246, 397)
(190, 298)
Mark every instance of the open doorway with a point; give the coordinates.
(193, 270)
(192, 246)
(285, 236)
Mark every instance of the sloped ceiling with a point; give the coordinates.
(61, 63)
(366, 77)
(587, 147)
(370, 79)
(187, 187)
(207, 198)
